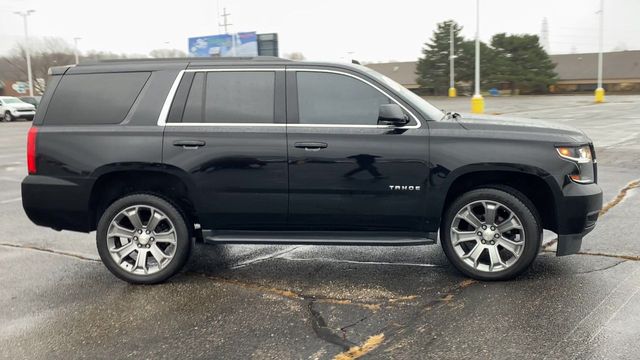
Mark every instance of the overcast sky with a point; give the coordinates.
(372, 31)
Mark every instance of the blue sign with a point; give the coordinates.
(240, 44)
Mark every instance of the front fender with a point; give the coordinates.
(443, 182)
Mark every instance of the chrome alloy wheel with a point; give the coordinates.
(487, 236)
(141, 239)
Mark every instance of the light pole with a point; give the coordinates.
(75, 48)
(599, 94)
(452, 88)
(25, 15)
(477, 101)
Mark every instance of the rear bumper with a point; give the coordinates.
(578, 211)
(57, 203)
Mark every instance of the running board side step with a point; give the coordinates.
(319, 237)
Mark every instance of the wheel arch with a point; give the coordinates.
(536, 184)
(115, 181)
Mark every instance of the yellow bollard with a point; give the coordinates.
(477, 104)
(452, 92)
(599, 95)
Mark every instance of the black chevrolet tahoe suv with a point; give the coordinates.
(155, 155)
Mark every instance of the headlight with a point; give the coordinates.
(580, 154)
(583, 158)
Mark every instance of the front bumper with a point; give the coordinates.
(23, 114)
(578, 209)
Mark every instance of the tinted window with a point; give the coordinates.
(94, 98)
(239, 97)
(325, 98)
(231, 97)
(193, 109)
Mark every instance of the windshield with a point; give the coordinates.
(11, 100)
(421, 104)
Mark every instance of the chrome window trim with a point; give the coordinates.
(418, 123)
(164, 112)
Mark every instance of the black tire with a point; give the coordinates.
(177, 218)
(521, 206)
(7, 117)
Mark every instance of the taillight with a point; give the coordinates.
(31, 149)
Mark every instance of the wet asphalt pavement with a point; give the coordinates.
(319, 302)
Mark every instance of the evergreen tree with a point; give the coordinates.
(521, 61)
(433, 67)
(466, 63)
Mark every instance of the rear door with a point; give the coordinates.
(346, 172)
(226, 131)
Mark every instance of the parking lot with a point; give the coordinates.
(322, 302)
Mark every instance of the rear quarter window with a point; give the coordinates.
(93, 99)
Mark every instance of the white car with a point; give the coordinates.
(12, 108)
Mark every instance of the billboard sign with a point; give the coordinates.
(240, 44)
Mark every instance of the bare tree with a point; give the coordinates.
(295, 56)
(167, 53)
(45, 53)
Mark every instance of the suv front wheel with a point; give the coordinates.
(7, 117)
(143, 239)
(491, 233)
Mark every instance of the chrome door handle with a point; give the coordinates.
(189, 144)
(311, 146)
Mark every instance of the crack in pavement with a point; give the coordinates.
(319, 324)
(602, 269)
(356, 352)
(621, 195)
(50, 251)
(374, 305)
(605, 209)
(623, 257)
(323, 331)
(448, 296)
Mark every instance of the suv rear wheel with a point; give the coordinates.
(491, 233)
(143, 239)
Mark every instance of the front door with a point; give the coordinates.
(225, 132)
(346, 172)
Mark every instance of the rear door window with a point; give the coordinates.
(231, 97)
(94, 99)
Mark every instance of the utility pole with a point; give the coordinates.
(452, 56)
(225, 23)
(477, 101)
(544, 36)
(25, 15)
(75, 48)
(599, 93)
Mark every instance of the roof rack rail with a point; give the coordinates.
(230, 58)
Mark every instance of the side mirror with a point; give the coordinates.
(392, 114)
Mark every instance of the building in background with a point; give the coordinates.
(12, 81)
(576, 72)
(403, 73)
(268, 44)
